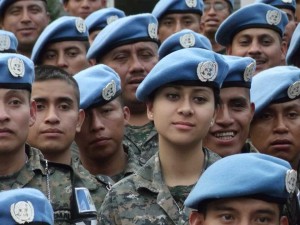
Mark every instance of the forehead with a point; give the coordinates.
(24, 3)
(143, 45)
(279, 107)
(235, 92)
(63, 45)
(257, 32)
(180, 16)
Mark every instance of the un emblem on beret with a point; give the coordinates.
(287, 1)
(294, 90)
(109, 91)
(4, 42)
(16, 67)
(191, 3)
(22, 212)
(273, 17)
(291, 181)
(207, 71)
(152, 30)
(249, 71)
(187, 40)
(80, 25)
(111, 19)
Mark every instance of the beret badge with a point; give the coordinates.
(4, 42)
(80, 25)
(191, 3)
(249, 71)
(152, 30)
(16, 67)
(273, 17)
(109, 91)
(294, 90)
(111, 19)
(187, 40)
(287, 1)
(22, 212)
(207, 71)
(291, 181)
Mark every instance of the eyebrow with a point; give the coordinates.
(59, 99)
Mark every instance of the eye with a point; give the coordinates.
(40, 106)
(72, 53)
(266, 116)
(263, 220)
(64, 106)
(227, 217)
(15, 102)
(172, 96)
(49, 55)
(293, 115)
(200, 99)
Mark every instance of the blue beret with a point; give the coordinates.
(183, 39)
(5, 3)
(127, 30)
(17, 71)
(164, 7)
(281, 4)
(102, 17)
(8, 42)
(98, 85)
(198, 67)
(293, 52)
(241, 71)
(275, 85)
(244, 175)
(14, 203)
(66, 28)
(256, 15)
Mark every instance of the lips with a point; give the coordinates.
(52, 131)
(281, 142)
(224, 135)
(100, 141)
(136, 80)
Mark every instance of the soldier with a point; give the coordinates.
(230, 131)
(275, 126)
(176, 15)
(24, 166)
(183, 39)
(256, 31)
(230, 193)
(81, 8)
(292, 56)
(8, 42)
(99, 19)
(129, 46)
(26, 20)
(214, 13)
(64, 44)
(181, 95)
(100, 140)
(289, 7)
(26, 205)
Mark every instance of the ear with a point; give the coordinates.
(81, 116)
(32, 113)
(229, 50)
(283, 50)
(150, 110)
(252, 106)
(196, 218)
(92, 62)
(126, 113)
(65, 5)
(284, 220)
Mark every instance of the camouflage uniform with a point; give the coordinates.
(145, 138)
(143, 198)
(249, 148)
(54, 180)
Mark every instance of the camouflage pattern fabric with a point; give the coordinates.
(145, 139)
(143, 198)
(58, 188)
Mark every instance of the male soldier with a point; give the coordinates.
(82, 8)
(275, 126)
(214, 13)
(256, 31)
(292, 56)
(64, 44)
(26, 19)
(242, 189)
(58, 116)
(26, 205)
(176, 15)
(8, 42)
(229, 132)
(24, 166)
(289, 7)
(129, 46)
(99, 19)
(100, 140)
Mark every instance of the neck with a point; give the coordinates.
(216, 47)
(12, 163)
(108, 166)
(181, 165)
(63, 158)
(138, 119)
(25, 51)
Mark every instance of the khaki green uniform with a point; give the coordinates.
(144, 198)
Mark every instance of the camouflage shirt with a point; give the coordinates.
(145, 138)
(143, 198)
(55, 180)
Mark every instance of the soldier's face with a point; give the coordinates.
(275, 131)
(17, 114)
(82, 8)
(239, 211)
(290, 27)
(263, 45)
(102, 132)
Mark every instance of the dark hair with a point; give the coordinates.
(47, 72)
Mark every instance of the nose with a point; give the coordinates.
(178, 27)
(255, 48)
(185, 107)
(280, 125)
(4, 116)
(136, 65)
(25, 16)
(96, 122)
(85, 4)
(61, 61)
(223, 117)
(52, 115)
